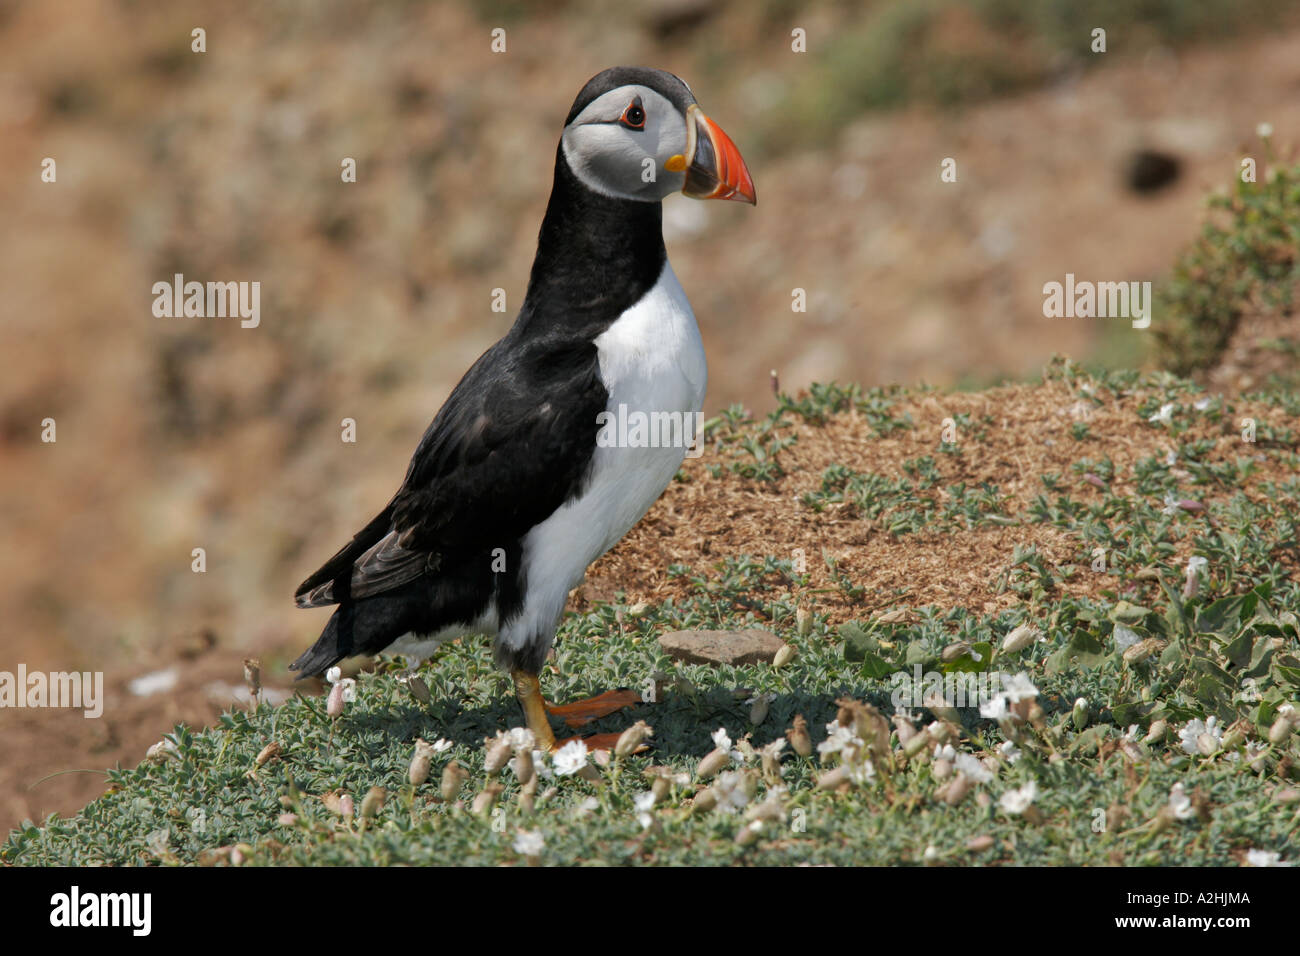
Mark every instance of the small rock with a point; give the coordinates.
(722, 647)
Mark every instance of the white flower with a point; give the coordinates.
(1164, 416)
(1264, 130)
(862, 772)
(519, 737)
(529, 843)
(1201, 404)
(1180, 803)
(973, 768)
(731, 791)
(1132, 733)
(570, 758)
(1265, 858)
(1195, 564)
(946, 752)
(332, 675)
(1125, 637)
(995, 708)
(1018, 800)
(1171, 458)
(441, 745)
(721, 740)
(644, 801)
(931, 853)
(839, 738)
(1018, 688)
(1193, 730)
(1010, 752)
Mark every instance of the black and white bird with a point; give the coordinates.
(510, 495)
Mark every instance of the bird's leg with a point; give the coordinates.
(529, 692)
(535, 708)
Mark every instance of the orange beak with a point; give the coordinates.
(715, 170)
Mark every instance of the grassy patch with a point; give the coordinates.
(1180, 752)
(1246, 262)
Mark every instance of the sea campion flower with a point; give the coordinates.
(1020, 799)
(1009, 751)
(343, 690)
(570, 758)
(529, 843)
(973, 768)
(1180, 804)
(1194, 730)
(1165, 415)
(1014, 689)
(731, 791)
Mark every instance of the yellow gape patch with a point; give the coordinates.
(675, 164)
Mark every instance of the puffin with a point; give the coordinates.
(515, 487)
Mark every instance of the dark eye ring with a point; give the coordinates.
(634, 117)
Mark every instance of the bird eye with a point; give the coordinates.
(634, 116)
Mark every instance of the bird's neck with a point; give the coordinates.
(596, 257)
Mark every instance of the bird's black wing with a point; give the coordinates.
(513, 442)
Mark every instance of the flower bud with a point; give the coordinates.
(1080, 713)
(956, 791)
(334, 703)
(453, 778)
(955, 651)
(1157, 732)
(800, 741)
(1281, 730)
(267, 753)
(523, 765)
(373, 802)
(713, 762)
(704, 801)
(1141, 650)
(498, 755)
(486, 800)
(803, 620)
(1018, 639)
(632, 739)
(1234, 736)
(783, 656)
(749, 833)
(418, 772)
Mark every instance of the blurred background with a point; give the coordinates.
(175, 434)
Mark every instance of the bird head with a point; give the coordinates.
(637, 133)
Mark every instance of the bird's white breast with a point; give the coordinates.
(651, 360)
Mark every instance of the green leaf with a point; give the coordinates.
(1222, 618)
(1128, 614)
(857, 642)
